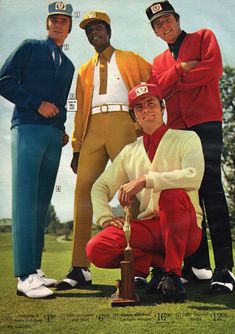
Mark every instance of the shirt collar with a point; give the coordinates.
(107, 53)
(155, 137)
(52, 45)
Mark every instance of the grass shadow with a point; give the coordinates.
(93, 291)
(199, 292)
(196, 292)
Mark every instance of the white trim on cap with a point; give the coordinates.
(61, 13)
(161, 14)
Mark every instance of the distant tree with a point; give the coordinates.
(67, 229)
(69, 225)
(227, 86)
(52, 221)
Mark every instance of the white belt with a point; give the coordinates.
(109, 108)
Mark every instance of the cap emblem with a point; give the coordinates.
(60, 6)
(141, 90)
(91, 15)
(156, 8)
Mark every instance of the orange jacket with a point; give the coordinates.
(133, 69)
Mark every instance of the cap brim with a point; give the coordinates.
(85, 22)
(131, 106)
(161, 14)
(59, 13)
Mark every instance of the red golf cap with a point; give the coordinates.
(143, 89)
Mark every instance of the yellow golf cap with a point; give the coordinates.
(93, 16)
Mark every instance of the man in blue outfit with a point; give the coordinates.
(36, 77)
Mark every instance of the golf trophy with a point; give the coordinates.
(126, 294)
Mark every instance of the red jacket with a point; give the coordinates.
(193, 97)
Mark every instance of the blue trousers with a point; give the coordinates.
(36, 151)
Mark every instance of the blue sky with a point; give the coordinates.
(130, 30)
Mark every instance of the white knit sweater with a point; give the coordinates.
(178, 163)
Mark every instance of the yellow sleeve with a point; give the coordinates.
(145, 68)
(78, 118)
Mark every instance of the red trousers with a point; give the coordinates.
(162, 242)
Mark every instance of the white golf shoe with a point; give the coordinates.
(49, 282)
(32, 287)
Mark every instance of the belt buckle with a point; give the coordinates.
(104, 108)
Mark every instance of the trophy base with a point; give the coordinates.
(122, 302)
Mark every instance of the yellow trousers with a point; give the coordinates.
(107, 134)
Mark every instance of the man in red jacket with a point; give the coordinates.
(187, 74)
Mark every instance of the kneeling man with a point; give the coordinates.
(164, 170)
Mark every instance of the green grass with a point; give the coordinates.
(89, 311)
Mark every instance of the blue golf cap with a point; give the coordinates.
(60, 8)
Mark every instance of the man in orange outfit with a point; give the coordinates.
(102, 127)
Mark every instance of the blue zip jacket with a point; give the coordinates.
(29, 77)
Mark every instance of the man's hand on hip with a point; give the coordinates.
(47, 109)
